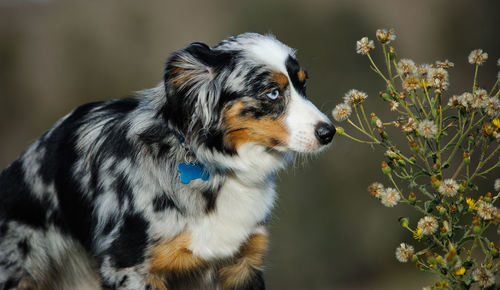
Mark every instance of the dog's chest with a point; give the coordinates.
(239, 210)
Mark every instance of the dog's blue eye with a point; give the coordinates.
(273, 95)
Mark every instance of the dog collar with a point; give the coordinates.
(190, 170)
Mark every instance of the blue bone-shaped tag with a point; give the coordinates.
(191, 171)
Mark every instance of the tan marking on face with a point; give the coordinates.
(245, 129)
(301, 75)
(249, 259)
(173, 255)
(281, 79)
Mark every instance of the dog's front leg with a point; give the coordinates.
(245, 270)
(171, 256)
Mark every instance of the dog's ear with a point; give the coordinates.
(193, 85)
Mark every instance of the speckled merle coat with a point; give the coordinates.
(96, 202)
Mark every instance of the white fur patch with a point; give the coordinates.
(240, 206)
(301, 120)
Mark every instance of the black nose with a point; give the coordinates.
(324, 132)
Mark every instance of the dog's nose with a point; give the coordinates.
(324, 132)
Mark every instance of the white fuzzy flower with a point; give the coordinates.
(428, 225)
(484, 277)
(438, 78)
(444, 64)
(364, 45)
(393, 106)
(478, 57)
(407, 66)
(376, 189)
(453, 101)
(448, 187)
(465, 100)
(485, 210)
(427, 129)
(404, 252)
(355, 97)
(423, 70)
(409, 126)
(479, 99)
(411, 83)
(492, 106)
(390, 197)
(497, 184)
(385, 36)
(341, 112)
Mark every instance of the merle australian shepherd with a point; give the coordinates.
(171, 189)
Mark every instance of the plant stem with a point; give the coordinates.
(475, 76)
(494, 86)
(366, 120)
(376, 68)
(358, 140)
(460, 139)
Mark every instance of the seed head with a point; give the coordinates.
(407, 66)
(393, 106)
(390, 197)
(485, 210)
(445, 64)
(364, 45)
(479, 99)
(341, 112)
(465, 100)
(438, 78)
(385, 36)
(411, 83)
(423, 70)
(477, 57)
(484, 277)
(427, 129)
(404, 252)
(492, 106)
(428, 225)
(355, 97)
(409, 127)
(453, 101)
(448, 187)
(376, 189)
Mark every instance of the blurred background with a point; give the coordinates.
(326, 232)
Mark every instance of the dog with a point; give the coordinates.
(169, 189)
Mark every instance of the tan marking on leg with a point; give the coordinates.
(249, 259)
(156, 281)
(174, 255)
(244, 129)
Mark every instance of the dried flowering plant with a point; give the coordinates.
(450, 142)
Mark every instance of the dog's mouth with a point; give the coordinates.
(302, 141)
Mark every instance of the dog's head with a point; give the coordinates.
(248, 91)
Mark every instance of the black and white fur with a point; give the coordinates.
(82, 207)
